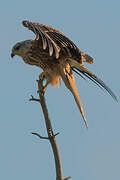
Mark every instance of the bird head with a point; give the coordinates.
(21, 48)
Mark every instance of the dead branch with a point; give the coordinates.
(51, 135)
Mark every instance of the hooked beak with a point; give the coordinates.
(12, 55)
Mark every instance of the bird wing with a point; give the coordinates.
(52, 38)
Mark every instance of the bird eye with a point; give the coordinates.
(17, 47)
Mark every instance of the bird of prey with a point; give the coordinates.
(58, 57)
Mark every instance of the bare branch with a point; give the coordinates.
(34, 99)
(51, 135)
(56, 134)
(67, 178)
(41, 137)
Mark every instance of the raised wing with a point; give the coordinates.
(52, 38)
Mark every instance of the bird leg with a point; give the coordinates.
(42, 77)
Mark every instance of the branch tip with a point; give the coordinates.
(56, 134)
(38, 135)
(34, 99)
(67, 178)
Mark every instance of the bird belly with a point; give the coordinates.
(52, 77)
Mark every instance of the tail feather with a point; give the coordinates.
(75, 66)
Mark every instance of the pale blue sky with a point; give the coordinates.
(94, 154)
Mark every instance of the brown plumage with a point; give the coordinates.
(57, 55)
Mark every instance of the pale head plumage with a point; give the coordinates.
(21, 48)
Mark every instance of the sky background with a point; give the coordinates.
(93, 154)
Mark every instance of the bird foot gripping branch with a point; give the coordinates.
(41, 88)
